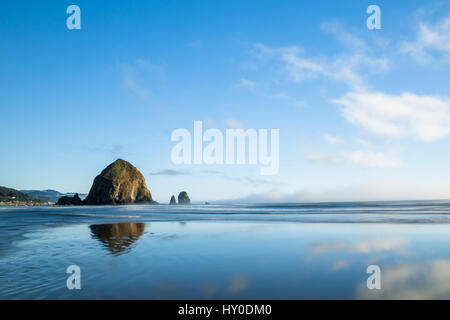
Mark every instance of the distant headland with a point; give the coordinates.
(13, 197)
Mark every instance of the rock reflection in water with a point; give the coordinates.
(118, 238)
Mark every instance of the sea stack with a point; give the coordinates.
(172, 200)
(119, 183)
(183, 198)
(69, 201)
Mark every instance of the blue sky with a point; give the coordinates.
(363, 114)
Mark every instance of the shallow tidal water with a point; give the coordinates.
(277, 251)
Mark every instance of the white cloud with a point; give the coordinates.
(348, 67)
(366, 159)
(169, 172)
(289, 98)
(208, 121)
(431, 39)
(344, 69)
(324, 159)
(424, 118)
(343, 36)
(372, 159)
(233, 123)
(333, 140)
(364, 143)
(139, 76)
(246, 83)
(132, 83)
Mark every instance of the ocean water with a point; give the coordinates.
(276, 251)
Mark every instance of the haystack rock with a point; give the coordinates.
(172, 200)
(183, 198)
(119, 183)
